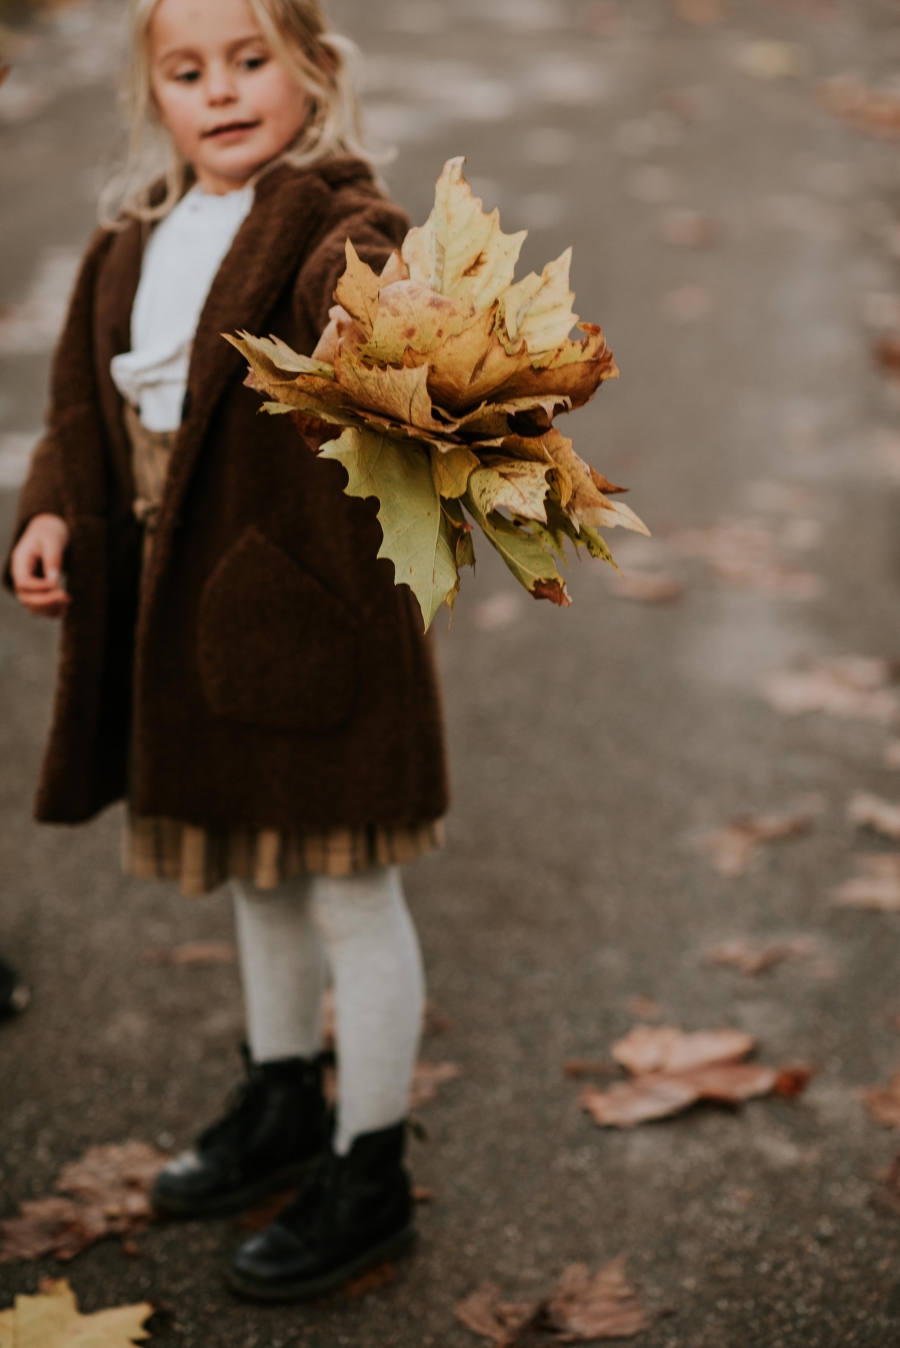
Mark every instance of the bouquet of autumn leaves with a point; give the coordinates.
(445, 377)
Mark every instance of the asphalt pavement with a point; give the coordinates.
(736, 238)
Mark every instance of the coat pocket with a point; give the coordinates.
(275, 649)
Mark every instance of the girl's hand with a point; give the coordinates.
(37, 566)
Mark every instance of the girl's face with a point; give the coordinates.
(229, 104)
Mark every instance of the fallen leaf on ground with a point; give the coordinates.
(869, 811)
(370, 1281)
(769, 59)
(689, 229)
(589, 1067)
(109, 1190)
(746, 554)
(876, 886)
(660, 1095)
(867, 109)
(653, 588)
(428, 1077)
(192, 952)
(422, 1194)
(886, 1197)
(672, 1070)
(435, 1021)
(698, 11)
(752, 959)
(52, 1320)
(883, 1102)
(580, 1309)
(733, 848)
(886, 351)
(793, 1079)
(849, 686)
(652, 1048)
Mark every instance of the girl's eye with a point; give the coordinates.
(187, 76)
(254, 62)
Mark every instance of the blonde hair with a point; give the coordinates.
(155, 176)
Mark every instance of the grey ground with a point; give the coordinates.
(589, 746)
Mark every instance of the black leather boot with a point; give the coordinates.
(355, 1211)
(277, 1122)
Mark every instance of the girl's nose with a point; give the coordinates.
(221, 87)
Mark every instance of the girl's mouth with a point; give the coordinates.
(229, 129)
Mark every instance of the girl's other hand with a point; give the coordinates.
(37, 566)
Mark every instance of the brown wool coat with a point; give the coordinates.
(270, 673)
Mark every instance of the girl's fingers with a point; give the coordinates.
(50, 605)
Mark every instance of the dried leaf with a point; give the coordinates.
(191, 953)
(746, 554)
(877, 886)
(752, 959)
(848, 686)
(883, 1102)
(460, 251)
(887, 1196)
(689, 229)
(110, 1195)
(628, 1103)
(702, 12)
(538, 309)
(52, 1320)
(869, 811)
(358, 291)
(485, 1312)
(439, 373)
(733, 848)
(452, 469)
(588, 1067)
(646, 588)
(793, 1079)
(867, 109)
(651, 1048)
(585, 1309)
(415, 536)
(370, 1281)
(428, 1077)
(580, 1309)
(420, 1193)
(660, 1095)
(511, 484)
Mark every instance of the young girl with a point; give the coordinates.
(235, 660)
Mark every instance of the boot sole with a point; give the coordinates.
(303, 1290)
(168, 1205)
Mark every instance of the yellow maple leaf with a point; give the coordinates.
(52, 1320)
(460, 251)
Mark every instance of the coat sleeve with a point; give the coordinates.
(374, 225)
(72, 386)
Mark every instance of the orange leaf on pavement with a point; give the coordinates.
(883, 1102)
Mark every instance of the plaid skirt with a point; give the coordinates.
(202, 859)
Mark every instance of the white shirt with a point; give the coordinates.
(180, 264)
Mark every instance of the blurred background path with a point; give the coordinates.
(736, 233)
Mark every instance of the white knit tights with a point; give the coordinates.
(361, 926)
